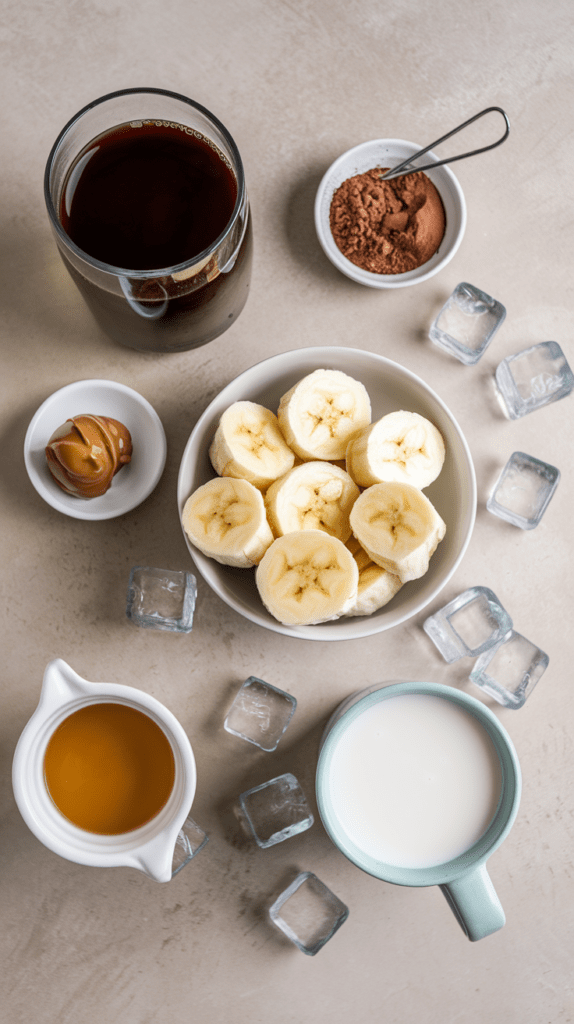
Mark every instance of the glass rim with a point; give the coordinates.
(152, 272)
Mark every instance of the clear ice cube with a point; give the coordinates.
(190, 840)
(260, 713)
(509, 672)
(161, 599)
(276, 810)
(308, 913)
(523, 490)
(533, 378)
(470, 624)
(467, 323)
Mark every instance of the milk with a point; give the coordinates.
(415, 780)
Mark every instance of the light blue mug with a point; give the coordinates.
(464, 880)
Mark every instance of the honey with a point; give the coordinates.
(109, 768)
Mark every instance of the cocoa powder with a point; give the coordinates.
(387, 227)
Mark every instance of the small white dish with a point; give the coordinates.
(389, 153)
(390, 387)
(134, 482)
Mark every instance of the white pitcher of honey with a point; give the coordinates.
(104, 774)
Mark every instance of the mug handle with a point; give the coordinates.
(473, 901)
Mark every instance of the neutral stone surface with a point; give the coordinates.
(296, 83)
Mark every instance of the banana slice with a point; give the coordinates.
(319, 414)
(249, 444)
(376, 585)
(398, 527)
(312, 496)
(307, 577)
(401, 446)
(225, 519)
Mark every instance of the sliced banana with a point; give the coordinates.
(248, 444)
(226, 520)
(319, 414)
(402, 446)
(398, 527)
(312, 496)
(307, 577)
(376, 587)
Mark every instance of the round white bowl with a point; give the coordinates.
(134, 482)
(390, 153)
(390, 387)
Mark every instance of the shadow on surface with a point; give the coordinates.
(299, 228)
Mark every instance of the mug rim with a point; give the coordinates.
(499, 826)
(110, 268)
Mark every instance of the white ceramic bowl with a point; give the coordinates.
(390, 387)
(390, 153)
(134, 482)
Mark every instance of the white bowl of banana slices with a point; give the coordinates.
(327, 493)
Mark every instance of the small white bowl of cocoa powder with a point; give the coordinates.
(388, 233)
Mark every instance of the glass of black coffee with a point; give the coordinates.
(146, 196)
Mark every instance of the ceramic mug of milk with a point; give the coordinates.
(104, 774)
(418, 784)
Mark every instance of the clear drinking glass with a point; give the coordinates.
(159, 309)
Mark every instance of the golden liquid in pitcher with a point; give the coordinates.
(109, 768)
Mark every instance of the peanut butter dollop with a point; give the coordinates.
(86, 452)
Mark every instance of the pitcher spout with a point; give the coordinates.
(61, 685)
(155, 858)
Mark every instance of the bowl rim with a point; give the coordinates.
(133, 496)
(208, 568)
(367, 277)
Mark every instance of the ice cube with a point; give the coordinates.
(161, 599)
(523, 490)
(276, 810)
(260, 713)
(467, 323)
(510, 670)
(190, 840)
(308, 913)
(533, 378)
(470, 624)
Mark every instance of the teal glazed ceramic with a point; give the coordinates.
(464, 881)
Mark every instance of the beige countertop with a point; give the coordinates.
(296, 83)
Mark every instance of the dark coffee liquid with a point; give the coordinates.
(146, 197)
